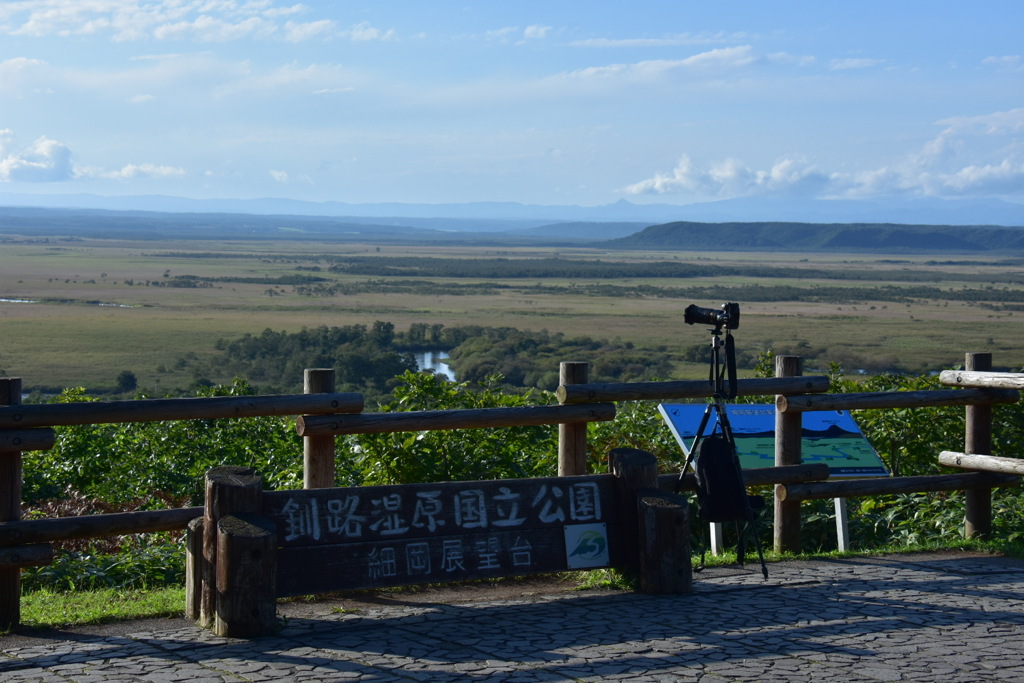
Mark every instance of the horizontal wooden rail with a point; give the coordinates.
(654, 391)
(982, 463)
(896, 399)
(757, 476)
(975, 378)
(95, 526)
(478, 418)
(893, 485)
(22, 556)
(26, 439)
(160, 409)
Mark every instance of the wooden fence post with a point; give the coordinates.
(10, 511)
(318, 451)
(788, 428)
(246, 576)
(664, 531)
(194, 568)
(634, 471)
(572, 437)
(978, 439)
(230, 490)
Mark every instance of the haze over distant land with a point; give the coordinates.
(698, 110)
(490, 216)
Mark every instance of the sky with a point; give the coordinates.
(556, 102)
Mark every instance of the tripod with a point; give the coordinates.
(728, 494)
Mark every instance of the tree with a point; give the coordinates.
(126, 382)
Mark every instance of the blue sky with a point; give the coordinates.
(557, 102)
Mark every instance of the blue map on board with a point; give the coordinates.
(829, 436)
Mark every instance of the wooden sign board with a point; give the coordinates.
(829, 436)
(377, 536)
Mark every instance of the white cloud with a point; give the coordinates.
(711, 61)
(44, 161)
(298, 32)
(854, 63)
(139, 171)
(279, 176)
(973, 155)
(536, 32)
(731, 178)
(363, 33)
(668, 41)
(131, 20)
(20, 75)
(1006, 62)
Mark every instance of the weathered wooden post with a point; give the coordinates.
(318, 450)
(572, 437)
(10, 511)
(978, 439)
(194, 567)
(246, 576)
(634, 471)
(664, 530)
(788, 428)
(230, 490)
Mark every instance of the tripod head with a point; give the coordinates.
(723, 365)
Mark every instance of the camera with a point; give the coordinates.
(728, 316)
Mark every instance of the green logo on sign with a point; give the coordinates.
(589, 546)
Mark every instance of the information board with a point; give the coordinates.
(829, 436)
(377, 536)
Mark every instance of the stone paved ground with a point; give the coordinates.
(949, 618)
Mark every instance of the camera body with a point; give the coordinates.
(728, 316)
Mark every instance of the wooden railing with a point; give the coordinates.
(323, 414)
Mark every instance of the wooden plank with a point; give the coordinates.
(26, 555)
(95, 526)
(411, 511)
(160, 409)
(758, 476)
(893, 485)
(984, 463)
(476, 418)
(26, 439)
(895, 399)
(438, 559)
(978, 378)
(655, 391)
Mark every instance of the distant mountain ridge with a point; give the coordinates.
(675, 236)
(912, 211)
(891, 238)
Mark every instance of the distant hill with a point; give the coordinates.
(507, 216)
(156, 225)
(886, 237)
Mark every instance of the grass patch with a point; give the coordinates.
(58, 609)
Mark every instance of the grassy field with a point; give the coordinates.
(78, 312)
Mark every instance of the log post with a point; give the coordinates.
(634, 471)
(246, 576)
(664, 530)
(318, 451)
(788, 435)
(194, 569)
(978, 439)
(572, 437)
(230, 490)
(10, 511)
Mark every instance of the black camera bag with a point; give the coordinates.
(721, 494)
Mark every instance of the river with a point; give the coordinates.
(434, 360)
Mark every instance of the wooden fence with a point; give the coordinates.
(323, 414)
